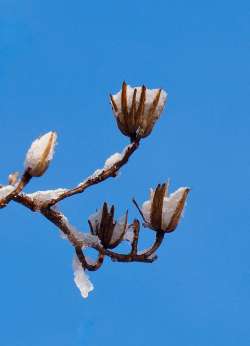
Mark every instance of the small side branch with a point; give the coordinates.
(80, 240)
(20, 186)
(103, 175)
(136, 230)
(145, 256)
(84, 262)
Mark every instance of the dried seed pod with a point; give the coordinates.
(163, 212)
(137, 109)
(109, 231)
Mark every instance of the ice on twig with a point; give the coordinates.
(81, 278)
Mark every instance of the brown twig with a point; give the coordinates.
(136, 230)
(84, 262)
(20, 186)
(144, 256)
(77, 239)
(103, 175)
(58, 219)
(135, 118)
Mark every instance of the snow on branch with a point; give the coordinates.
(136, 111)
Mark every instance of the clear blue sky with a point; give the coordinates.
(58, 62)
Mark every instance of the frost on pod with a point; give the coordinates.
(110, 232)
(81, 278)
(137, 109)
(163, 212)
(40, 154)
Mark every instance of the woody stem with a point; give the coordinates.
(141, 257)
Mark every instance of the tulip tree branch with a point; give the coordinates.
(146, 256)
(136, 111)
(20, 186)
(58, 218)
(103, 175)
(134, 244)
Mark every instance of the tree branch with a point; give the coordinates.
(136, 117)
(143, 256)
(20, 186)
(98, 178)
(80, 240)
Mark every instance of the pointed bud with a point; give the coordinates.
(137, 109)
(12, 178)
(163, 212)
(40, 154)
(109, 231)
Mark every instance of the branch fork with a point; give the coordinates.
(136, 111)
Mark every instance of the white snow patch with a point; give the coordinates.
(6, 190)
(170, 204)
(150, 96)
(96, 173)
(112, 160)
(87, 239)
(42, 197)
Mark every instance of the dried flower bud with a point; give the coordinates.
(162, 212)
(109, 232)
(137, 109)
(40, 154)
(12, 178)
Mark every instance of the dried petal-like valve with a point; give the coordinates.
(109, 232)
(137, 109)
(40, 154)
(162, 212)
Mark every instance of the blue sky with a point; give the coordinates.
(58, 62)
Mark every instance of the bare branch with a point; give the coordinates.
(20, 186)
(80, 240)
(84, 262)
(136, 111)
(136, 230)
(98, 178)
(143, 256)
